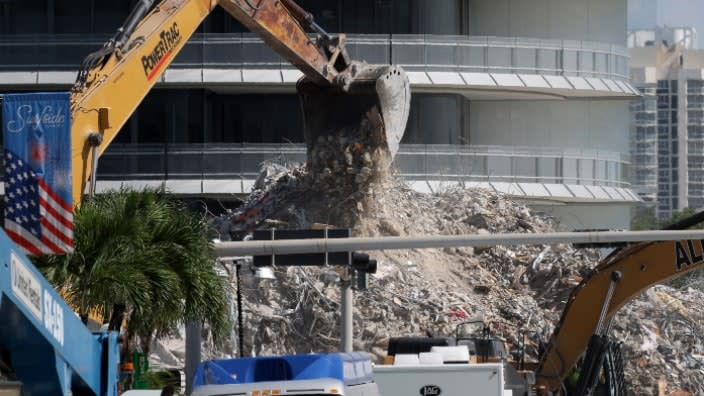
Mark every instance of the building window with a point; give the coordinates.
(110, 15)
(695, 85)
(663, 117)
(74, 17)
(440, 113)
(662, 147)
(663, 132)
(663, 102)
(25, 17)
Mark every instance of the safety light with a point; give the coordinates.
(265, 392)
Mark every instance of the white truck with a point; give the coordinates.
(442, 380)
(320, 374)
(447, 371)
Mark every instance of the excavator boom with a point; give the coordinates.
(115, 79)
(628, 272)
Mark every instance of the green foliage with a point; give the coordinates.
(681, 215)
(645, 219)
(145, 250)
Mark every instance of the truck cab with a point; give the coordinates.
(320, 374)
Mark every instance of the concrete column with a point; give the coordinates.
(682, 146)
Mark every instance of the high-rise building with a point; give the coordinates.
(529, 98)
(667, 123)
(668, 127)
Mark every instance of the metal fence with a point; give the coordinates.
(417, 162)
(413, 52)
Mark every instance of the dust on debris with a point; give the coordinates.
(429, 291)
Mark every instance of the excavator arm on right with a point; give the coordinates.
(614, 282)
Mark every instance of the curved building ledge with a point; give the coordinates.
(555, 194)
(516, 86)
(476, 86)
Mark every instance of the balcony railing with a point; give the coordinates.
(417, 162)
(413, 52)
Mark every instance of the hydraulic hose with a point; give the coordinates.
(125, 31)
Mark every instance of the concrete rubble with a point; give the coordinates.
(521, 289)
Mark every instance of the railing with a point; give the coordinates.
(644, 158)
(413, 52)
(418, 162)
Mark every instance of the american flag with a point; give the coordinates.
(37, 152)
(36, 218)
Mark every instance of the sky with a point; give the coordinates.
(646, 14)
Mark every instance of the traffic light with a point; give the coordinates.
(362, 266)
(362, 263)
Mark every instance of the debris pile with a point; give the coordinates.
(418, 291)
(521, 290)
(662, 335)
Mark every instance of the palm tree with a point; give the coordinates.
(143, 255)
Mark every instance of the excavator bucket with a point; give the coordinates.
(370, 109)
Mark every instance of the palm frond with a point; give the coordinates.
(146, 251)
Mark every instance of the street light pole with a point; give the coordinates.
(193, 340)
(240, 335)
(346, 327)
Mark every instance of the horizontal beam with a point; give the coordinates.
(295, 246)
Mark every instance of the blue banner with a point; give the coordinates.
(37, 136)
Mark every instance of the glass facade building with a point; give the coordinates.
(668, 130)
(527, 98)
(644, 144)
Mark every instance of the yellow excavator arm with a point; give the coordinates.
(114, 80)
(614, 282)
